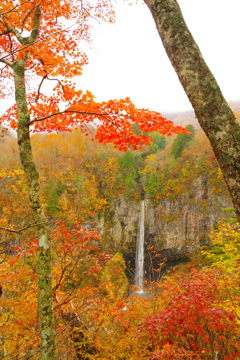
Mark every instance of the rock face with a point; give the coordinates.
(173, 227)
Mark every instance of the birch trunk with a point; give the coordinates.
(211, 109)
(45, 308)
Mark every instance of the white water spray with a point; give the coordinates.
(139, 260)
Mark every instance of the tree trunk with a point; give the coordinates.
(45, 308)
(211, 109)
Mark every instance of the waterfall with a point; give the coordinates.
(139, 260)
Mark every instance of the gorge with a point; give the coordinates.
(171, 229)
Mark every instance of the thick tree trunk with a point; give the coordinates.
(211, 109)
(45, 308)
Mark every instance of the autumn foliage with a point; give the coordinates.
(54, 61)
(192, 314)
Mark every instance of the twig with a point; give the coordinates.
(39, 87)
(15, 7)
(20, 230)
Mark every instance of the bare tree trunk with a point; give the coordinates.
(45, 308)
(211, 109)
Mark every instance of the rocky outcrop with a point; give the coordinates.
(173, 226)
(184, 223)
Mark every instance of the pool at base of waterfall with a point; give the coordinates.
(140, 293)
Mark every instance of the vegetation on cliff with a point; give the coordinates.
(92, 309)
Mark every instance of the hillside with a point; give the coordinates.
(188, 117)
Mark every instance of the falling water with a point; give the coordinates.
(139, 260)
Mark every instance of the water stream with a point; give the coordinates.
(139, 260)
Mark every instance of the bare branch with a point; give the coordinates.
(74, 264)
(66, 300)
(47, 77)
(1, 71)
(20, 230)
(61, 277)
(88, 13)
(39, 88)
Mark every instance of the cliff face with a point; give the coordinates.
(183, 224)
(173, 227)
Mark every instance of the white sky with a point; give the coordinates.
(128, 58)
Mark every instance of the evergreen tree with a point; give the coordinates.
(159, 142)
(182, 141)
(128, 173)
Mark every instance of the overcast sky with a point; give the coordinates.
(128, 58)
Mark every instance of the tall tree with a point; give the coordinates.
(39, 45)
(211, 109)
(181, 142)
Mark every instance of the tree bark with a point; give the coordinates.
(211, 109)
(45, 308)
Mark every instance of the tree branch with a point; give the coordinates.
(11, 46)
(105, 116)
(34, 33)
(36, 25)
(37, 41)
(39, 88)
(20, 230)
(15, 7)
(6, 62)
(69, 111)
